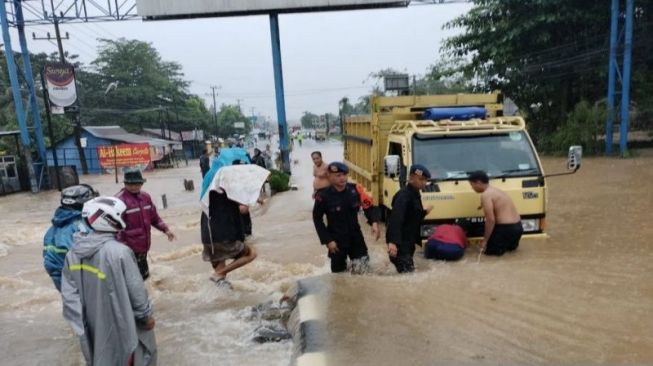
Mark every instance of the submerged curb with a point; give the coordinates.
(308, 329)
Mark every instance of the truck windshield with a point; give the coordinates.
(500, 155)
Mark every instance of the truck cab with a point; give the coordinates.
(452, 149)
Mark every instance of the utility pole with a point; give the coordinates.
(215, 108)
(626, 75)
(181, 130)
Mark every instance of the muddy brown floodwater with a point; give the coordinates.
(583, 296)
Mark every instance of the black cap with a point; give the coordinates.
(419, 169)
(133, 176)
(338, 167)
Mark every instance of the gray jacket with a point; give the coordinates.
(104, 298)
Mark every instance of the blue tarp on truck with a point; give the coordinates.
(455, 114)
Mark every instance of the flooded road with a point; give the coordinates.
(197, 323)
(584, 296)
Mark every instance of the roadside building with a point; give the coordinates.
(193, 141)
(94, 137)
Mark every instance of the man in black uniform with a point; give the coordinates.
(340, 203)
(403, 230)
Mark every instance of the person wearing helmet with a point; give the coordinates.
(104, 296)
(141, 214)
(67, 220)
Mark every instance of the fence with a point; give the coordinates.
(70, 157)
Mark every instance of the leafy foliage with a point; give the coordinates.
(310, 120)
(279, 181)
(584, 127)
(227, 117)
(128, 84)
(547, 55)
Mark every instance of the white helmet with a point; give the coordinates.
(105, 214)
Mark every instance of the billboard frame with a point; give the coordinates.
(148, 15)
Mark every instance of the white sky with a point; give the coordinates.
(325, 55)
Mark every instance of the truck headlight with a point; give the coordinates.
(427, 230)
(530, 225)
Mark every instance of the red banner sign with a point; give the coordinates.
(123, 155)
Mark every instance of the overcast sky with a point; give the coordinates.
(325, 55)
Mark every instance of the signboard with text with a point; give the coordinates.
(62, 91)
(123, 155)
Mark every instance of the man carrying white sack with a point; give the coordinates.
(231, 191)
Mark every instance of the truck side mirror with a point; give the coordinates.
(574, 157)
(391, 165)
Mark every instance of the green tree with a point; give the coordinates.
(133, 87)
(345, 107)
(546, 53)
(228, 115)
(309, 120)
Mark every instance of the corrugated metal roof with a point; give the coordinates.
(193, 135)
(117, 133)
(157, 132)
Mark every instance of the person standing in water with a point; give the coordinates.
(140, 216)
(320, 172)
(340, 203)
(67, 221)
(104, 296)
(403, 231)
(503, 228)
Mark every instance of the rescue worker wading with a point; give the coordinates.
(66, 222)
(403, 231)
(104, 297)
(340, 203)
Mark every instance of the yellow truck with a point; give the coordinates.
(379, 149)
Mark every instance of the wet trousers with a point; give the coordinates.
(357, 250)
(504, 238)
(403, 262)
(143, 267)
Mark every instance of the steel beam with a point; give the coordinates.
(278, 88)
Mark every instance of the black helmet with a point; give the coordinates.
(75, 196)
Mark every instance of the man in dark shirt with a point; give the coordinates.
(341, 202)
(403, 230)
(223, 236)
(205, 162)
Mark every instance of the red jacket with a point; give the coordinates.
(139, 216)
(449, 234)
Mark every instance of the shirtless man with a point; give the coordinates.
(503, 227)
(320, 172)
